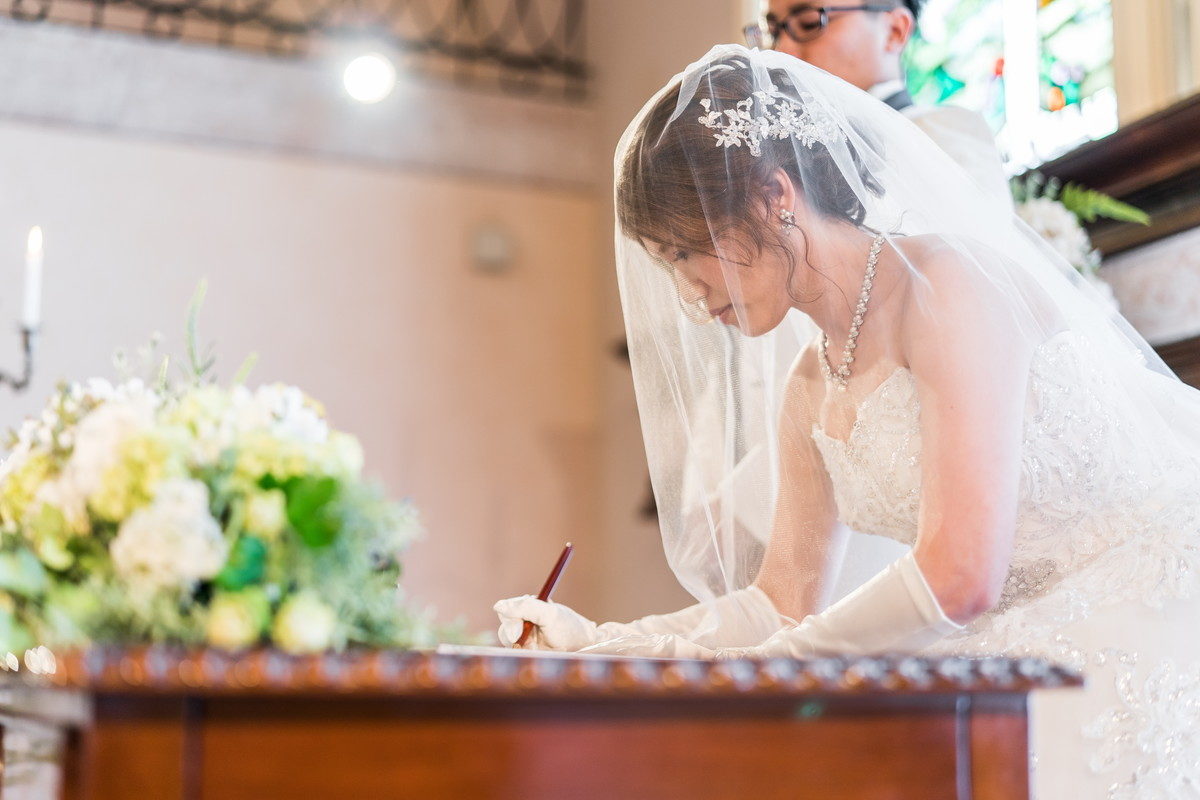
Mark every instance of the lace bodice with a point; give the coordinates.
(1086, 488)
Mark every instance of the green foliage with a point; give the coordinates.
(246, 564)
(200, 363)
(1086, 204)
(324, 535)
(245, 369)
(22, 574)
(310, 508)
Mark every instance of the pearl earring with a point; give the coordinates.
(788, 218)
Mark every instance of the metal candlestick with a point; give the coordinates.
(21, 383)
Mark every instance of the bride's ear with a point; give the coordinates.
(780, 193)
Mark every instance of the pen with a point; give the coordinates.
(547, 588)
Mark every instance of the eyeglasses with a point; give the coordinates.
(803, 23)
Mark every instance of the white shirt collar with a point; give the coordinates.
(882, 91)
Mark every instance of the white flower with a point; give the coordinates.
(63, 494)
(296, 416)
(16, 458)
(99, 436)
(266, 513)
(171, 543)
(344, 454)
(304, 624)
(1060, 228)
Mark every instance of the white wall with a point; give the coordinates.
(636, 48)
(474, 394)
(494, 402)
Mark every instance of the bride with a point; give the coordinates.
(828, 330)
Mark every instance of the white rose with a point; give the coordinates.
(1059, 227)
(304, 624)
(173, 542)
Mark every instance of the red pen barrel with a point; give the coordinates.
(547, 588)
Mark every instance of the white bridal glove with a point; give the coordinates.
(895, 611)
(744, 617)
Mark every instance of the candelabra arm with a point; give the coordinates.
(21, 383)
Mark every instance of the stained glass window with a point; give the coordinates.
(1039, 71)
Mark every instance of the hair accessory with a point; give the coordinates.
(777, 117)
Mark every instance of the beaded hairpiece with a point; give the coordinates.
(778, 117)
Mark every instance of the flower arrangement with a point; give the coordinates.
(1057, 213)
(190, 513)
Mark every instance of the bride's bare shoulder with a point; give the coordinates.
(929, 251)
(948, 269)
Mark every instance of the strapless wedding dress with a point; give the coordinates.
(1104, 573)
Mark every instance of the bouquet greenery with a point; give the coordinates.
(1057, 213)
(190, 513)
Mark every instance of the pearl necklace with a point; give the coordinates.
(841, 375)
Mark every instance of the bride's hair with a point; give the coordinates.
(676, 185)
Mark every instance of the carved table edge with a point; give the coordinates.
(158, 669)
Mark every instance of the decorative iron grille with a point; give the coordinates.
(521, 45)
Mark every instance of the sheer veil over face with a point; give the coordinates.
(750, 191)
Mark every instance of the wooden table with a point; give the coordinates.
(167, 724)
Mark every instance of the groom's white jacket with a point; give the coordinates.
(965, 137)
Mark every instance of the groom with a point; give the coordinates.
(861, 44)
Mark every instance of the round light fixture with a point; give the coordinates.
(369, 78)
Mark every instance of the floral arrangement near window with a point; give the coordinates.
(1057, 212)
(185, 512)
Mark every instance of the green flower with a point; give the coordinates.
(49, 534)
(266, 513)
(18, 489)
(259, 454)
(145, 460)
(304, 624)
(237, 619)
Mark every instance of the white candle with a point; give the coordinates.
(32, 317)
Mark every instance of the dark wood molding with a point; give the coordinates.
(1183, 357)
(1153, 163)
(163, 722)
(154, 669)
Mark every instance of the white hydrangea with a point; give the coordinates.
(211, 414)
(15, 459)
(171, 543)
(222, 420)
(99, 436)
(296, 417)
(1060, 228)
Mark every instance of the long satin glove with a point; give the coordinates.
(895, 611)
(744, 617)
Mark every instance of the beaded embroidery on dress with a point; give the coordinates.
(742, 237)
(1102, 523)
